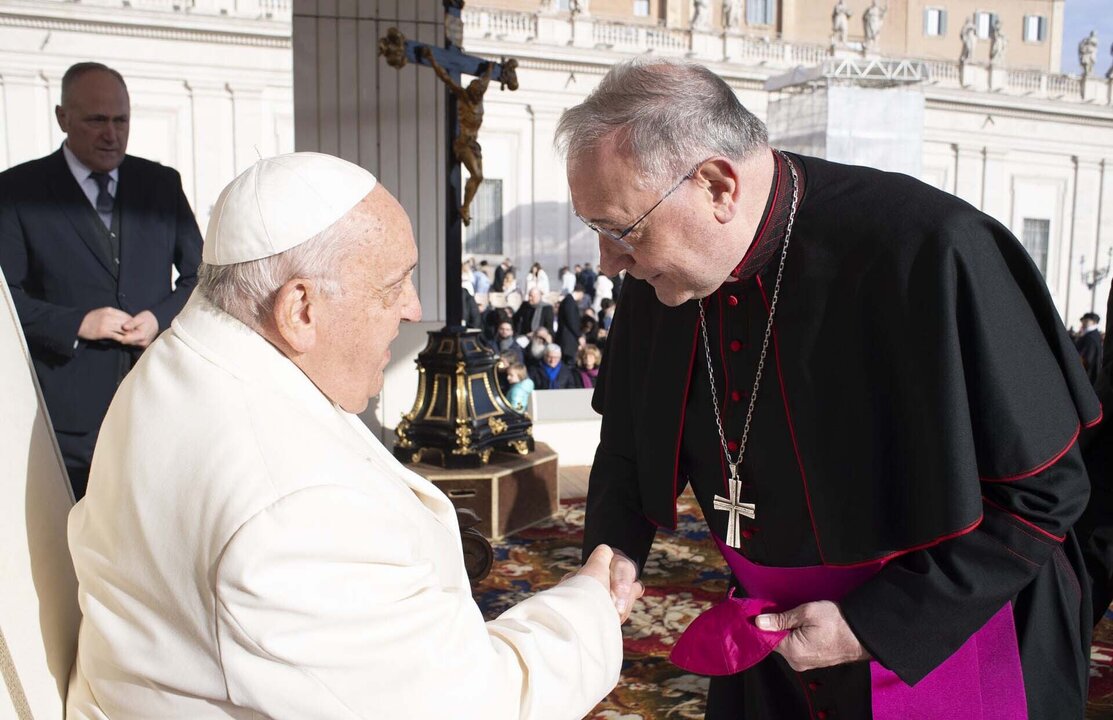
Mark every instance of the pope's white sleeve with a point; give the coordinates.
(327, 608)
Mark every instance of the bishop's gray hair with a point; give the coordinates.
(247, 290)
(669, 115)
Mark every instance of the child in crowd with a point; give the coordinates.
(520, 387)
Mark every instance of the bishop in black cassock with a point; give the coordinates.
(915, 431)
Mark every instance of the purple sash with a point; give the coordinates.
(982, 680)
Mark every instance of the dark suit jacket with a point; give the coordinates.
(1089, 349)
(524, 316)
(568, 331)
(472, 317)
(58, 270)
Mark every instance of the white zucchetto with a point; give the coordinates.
(279, 203)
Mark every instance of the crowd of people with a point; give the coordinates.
(547, 337)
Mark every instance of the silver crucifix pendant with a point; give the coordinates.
(732, 505)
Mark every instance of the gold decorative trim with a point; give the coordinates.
(463, 439)
(421, 382)
(462, 394)
(400, 433)
(497, 425)
(437, 379)
(521, 446)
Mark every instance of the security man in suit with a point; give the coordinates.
(88, 236)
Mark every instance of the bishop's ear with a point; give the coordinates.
(720, 178)
(296, 313)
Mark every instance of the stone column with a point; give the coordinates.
(1084, 240)
(968, 174)
(251, 138)
(995, 188)
(214, 163)
(28, 116)
(349, 102)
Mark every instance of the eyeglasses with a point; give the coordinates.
(619, 238)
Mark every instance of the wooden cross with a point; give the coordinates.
(736, 509)
(463, 116)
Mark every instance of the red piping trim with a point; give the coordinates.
(807, 697)
(791, 425)
(1039, 468)
(1101, 414)
(924, 546)
(680, 431)
(1029, 523)
(768, 218)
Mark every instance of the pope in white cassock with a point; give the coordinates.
(248, 548)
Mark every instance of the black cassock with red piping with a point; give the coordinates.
(921, 402)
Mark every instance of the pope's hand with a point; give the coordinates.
(616, 573)
(819, 636)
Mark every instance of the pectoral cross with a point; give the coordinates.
(732, 505)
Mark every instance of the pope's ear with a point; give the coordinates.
(721, 178)
(296, 305)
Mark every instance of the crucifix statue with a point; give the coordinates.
(449, 64)
(459, 416)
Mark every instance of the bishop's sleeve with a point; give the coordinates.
(924, 605)
(1017, 384)
(614, 514)
(327, 608)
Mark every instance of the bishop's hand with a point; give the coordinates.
(618, 574)
(819, 636)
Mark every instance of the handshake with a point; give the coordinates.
(618, 574)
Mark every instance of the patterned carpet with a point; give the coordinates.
(683, 578)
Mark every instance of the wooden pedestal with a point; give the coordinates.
(510, 493)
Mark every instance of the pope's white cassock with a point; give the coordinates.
(249, 549)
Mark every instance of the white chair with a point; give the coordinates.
(39, 616)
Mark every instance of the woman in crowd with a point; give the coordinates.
(587, 365)
(567, 280)
(537, 278)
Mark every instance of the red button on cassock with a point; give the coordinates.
(732, 300)
(735, 345)
(732, 446)
(822, 715)
(747, 534)
(813, 686)
(735, 396)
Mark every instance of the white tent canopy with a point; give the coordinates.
(39, 615)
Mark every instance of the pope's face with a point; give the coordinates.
(674, 248)
(96, 120)
(378, 295)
